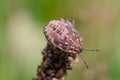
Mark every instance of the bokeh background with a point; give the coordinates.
(22, 38)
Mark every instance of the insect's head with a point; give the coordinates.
(73, 42)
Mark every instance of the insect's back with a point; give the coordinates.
(62, 35)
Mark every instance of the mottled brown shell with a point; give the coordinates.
(62, 35)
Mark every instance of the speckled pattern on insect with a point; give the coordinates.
(61, 34)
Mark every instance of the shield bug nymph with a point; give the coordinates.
(61, 34)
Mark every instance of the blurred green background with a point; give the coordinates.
(22, 38)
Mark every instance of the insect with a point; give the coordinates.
(61, 34)
(64, 43)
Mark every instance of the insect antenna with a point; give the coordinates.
(91, 49)
(83, 58)
(84, 61)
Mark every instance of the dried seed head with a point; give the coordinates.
(62, 35)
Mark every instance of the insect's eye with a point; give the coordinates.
(65, 45)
